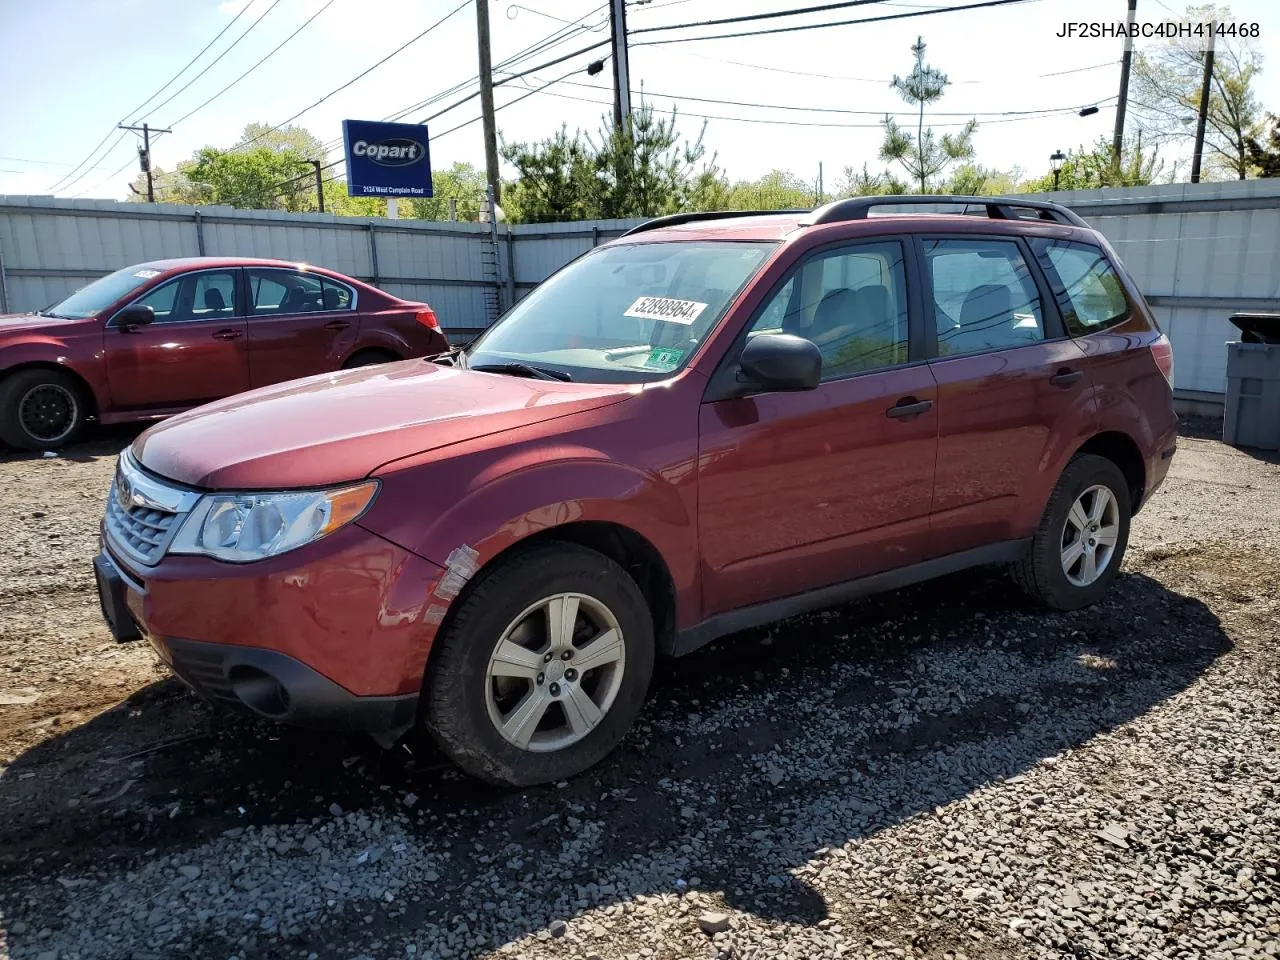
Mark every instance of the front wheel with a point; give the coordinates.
(542, 669)
(1078, 548)
(40, 409)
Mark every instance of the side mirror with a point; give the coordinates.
(135, 315)
(781, 361)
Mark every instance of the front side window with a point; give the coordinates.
(279, 292)
(984, 296)
(209, 295)
(623, 314)
(851, 302)
(1087, 287)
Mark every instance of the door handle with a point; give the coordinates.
(337, 325)
(908, 408)
(1065, 377)
(230, 333)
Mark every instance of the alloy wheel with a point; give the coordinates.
(1089, 535)
(48, 412)
(555, 672)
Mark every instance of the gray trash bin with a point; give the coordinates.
(1253, 383)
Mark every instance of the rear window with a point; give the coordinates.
(1087, 288)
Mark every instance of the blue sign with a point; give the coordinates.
(386, 159)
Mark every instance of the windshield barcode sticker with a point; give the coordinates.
(147, 274)
(662, 308)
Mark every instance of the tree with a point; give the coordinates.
(975, 180)
(922, 154)
(864, 183)
(259, 178)
(643, 171)
(461, 182)
(1092, 168)
(776, 190)
(1265, 155)
(1167, 78)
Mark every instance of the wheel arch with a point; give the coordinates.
(1122, 450)
(86, 389)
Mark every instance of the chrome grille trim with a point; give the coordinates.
(143, 513)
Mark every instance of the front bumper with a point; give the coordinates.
(334, 635)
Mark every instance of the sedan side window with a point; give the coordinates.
(208, 295)
(984, 296)
(277, 292)
(851, 302)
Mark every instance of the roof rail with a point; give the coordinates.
(997, 208)
(675, 219)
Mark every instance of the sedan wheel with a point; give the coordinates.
(40, 409)
(48, 412)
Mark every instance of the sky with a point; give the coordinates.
(73, 69)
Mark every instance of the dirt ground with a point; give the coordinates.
(838, 785)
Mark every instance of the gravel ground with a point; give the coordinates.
(942, 772)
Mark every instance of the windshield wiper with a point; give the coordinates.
(522, 369)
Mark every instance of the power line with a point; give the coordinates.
(248, 30)
(306, 23)
(829, 23)
(184, 69)
(67, 184)
(104, 180)
(771, 15)
(398, 50)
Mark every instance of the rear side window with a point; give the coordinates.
(284, 292)
(1088, 290)
(984, 297)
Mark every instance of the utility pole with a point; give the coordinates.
(319, 184)
(818, 200)
(486, 100)
(621, 69)
(1205, 85)
(144, 154)
(1117, 143)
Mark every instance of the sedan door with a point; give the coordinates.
(1014, 395)
(300, 323)
(192, 353)
(801, 490)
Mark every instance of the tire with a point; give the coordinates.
(1044, 572)
(369, 358)
(465, 704)
(41, 409)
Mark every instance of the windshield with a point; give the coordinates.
(97, 296)
(623, 314)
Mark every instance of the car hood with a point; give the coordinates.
(338, 427)
(24, 322)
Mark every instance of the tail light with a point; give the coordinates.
(1162, 353)
(427, 317)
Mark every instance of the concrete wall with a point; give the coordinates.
(1200, 252)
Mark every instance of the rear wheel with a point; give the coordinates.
(1078, 548)
(542, 669)
(40, 409)
(369, 358)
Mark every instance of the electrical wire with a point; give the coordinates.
(306, 23)
(771, 15)
(829, 23)
(165, 86)
(398, 50)
(247, 30)
(104, 180)
(67, 184)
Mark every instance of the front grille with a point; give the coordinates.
(143, 512)
(141, 533)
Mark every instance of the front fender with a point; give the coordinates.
(517, 496)
(44, 350)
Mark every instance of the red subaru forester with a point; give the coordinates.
(713, 422)
(156, 338)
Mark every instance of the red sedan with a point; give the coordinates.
(157, 338)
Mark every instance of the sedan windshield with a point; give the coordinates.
(622, 314)
(97, 296)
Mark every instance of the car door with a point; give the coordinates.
(192, 353)
(805, 489)
(300, 323)
(1012, 390)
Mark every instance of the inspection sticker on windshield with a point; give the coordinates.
(147, 274)
(663, 358)
(663, 308)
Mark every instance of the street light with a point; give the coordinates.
(1056, 159)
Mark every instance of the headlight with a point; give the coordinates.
(241, 527)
